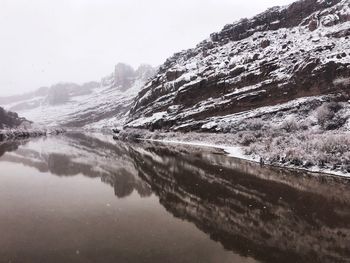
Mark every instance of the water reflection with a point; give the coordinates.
(77, 154)
(9, 146)
(269, 214)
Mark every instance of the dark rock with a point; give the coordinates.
(10, 119)
(115, 130)
(265, 43)
(313, 25)
(237, 71)
(173, 74)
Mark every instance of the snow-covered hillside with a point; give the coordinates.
(91, 105)
(283, 54)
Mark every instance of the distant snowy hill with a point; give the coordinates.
(91, 105)
(280, 57)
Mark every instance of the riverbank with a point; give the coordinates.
(14, 134)
(321, 152)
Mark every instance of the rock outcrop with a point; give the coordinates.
(280, 55)
(10, 119)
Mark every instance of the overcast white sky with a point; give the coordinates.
(46, 41)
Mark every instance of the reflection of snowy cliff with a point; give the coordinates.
(270, 214)
(77, 154)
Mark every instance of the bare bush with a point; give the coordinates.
(290, 125)
(335, 145)
(248, 138)
(326, 150)
(305, 125)
(255, 124)
(131, 135)
(156, 135)
(327, 116)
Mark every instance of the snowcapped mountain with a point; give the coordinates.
(285, 56)
(91, 105)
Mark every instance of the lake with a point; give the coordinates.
(86, 198)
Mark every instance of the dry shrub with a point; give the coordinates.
(327, 116)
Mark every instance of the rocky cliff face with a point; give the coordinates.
(283, 54)
(10, 119)
(93, 104)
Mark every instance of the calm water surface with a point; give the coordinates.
(84, 198)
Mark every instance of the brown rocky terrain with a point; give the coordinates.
(283, 54)
(10, 119)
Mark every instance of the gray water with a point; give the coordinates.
(81, 198)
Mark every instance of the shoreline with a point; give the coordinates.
(18, 134)
(238, 152)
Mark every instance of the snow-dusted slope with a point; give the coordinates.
(281, 55)
(94, 105)
(10, 119)
(103, 104)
